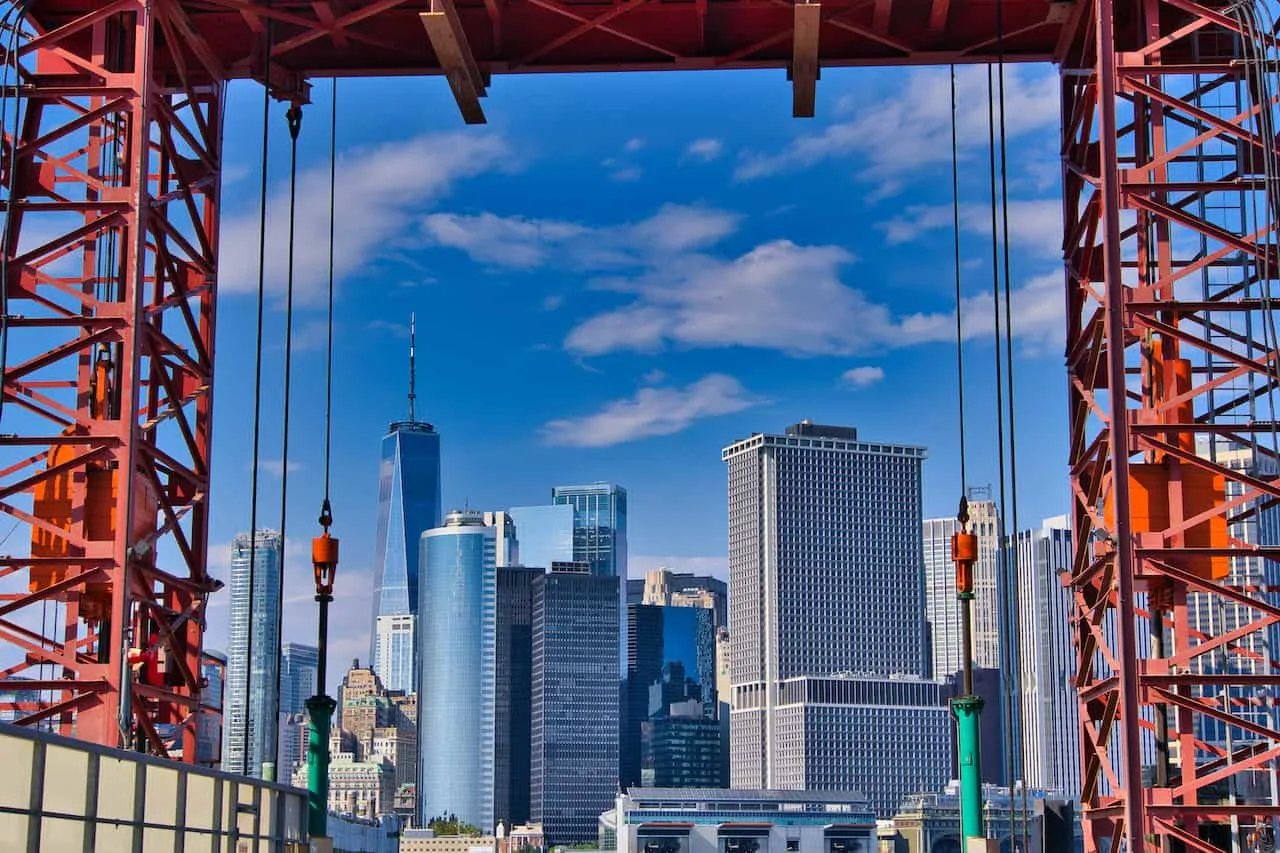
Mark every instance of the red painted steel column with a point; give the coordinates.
(1171, 398)
(111, 260)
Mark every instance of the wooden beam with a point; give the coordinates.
(449, 41)
(804, 59)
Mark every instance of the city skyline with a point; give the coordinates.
(530, 281)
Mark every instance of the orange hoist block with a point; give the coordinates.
(1149, 507)
(964, 553)
(53, 502)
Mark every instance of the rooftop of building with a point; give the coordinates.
(818, 436)
(744, 795)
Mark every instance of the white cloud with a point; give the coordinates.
(787, 297)
(651, 412)
(899, 134)
(626, 174)
(276, 467)
(633, 145)
(523, 243)
(397, 329)
(653, 377)
(377, 189)
(862, 376)
(1035, 225)
(705, 150)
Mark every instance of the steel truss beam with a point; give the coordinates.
(111, 260)
(1170, 256)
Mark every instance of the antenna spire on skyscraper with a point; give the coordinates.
(412, 396)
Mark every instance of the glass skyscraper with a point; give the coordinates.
(599, 526)
(408, 504)
(299, 665)
(545, 534)
(514, 693)
(250, 708)
(574, 763)
(457, 635)
(671, 737)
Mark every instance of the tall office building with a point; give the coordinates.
(457, 636)
(396, 638)
(545, 534)
(299, 665)
(574, 766)
(942, 608)
(514, 694)
(1047, 700)
(408, 504)
(599, 525)
(671, 732)
(826, 603)
(250, 715)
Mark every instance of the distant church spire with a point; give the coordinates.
(412, 396)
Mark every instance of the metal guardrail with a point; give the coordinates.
(65, 795)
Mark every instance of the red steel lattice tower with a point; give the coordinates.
(1170, 252)
(110, 293)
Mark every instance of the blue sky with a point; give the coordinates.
(619, 275)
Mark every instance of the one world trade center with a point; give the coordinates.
(408, 504)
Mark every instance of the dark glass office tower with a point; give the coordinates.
(574, 766)
(513, 731)
(408, 505)
(671, 735)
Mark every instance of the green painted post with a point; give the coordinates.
(968, 712)
(321, 710)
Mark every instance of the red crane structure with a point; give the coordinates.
(112, 160)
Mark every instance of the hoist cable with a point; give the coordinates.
(1015, 641)
(257, 398)
(328, 373)
(1003, 551)
(955, 213)
(294, 118)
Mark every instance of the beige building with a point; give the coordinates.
(424, 841)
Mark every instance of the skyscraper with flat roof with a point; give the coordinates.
(574, 765)
(250, 720)
(408, 504)
(671, 733)
(457, 633)
(1047, 701)
(829, 650)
